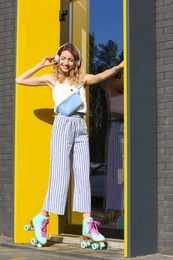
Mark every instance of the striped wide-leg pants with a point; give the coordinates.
(69, 147)
(115, 183)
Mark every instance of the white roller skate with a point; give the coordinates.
(91, 236)
(38, 224)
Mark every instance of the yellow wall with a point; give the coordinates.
(37, 35)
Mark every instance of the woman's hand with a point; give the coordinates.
(48, 61)
(28, 79)
(120, 66)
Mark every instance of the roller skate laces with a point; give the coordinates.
(39, 224)
(93, 231)
(43, 228)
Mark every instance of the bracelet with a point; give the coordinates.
(113, 70)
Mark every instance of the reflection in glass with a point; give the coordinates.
(106, 115)
(114, 155)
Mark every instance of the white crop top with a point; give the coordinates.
(117, 104)
(63, 90)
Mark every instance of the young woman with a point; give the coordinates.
(69, 140)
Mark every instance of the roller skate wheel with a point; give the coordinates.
(95, 246)
(34, 241)
(102, 245)
(39, 245)
(84, 244)
(27, 227)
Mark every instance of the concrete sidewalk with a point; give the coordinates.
(66, 250)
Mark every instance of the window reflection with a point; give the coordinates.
(114, 155)
(106, 115)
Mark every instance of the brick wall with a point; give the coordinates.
(7, 40)
(164, 30)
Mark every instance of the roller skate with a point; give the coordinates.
(38, 225)
(120, 222)
(91, 236)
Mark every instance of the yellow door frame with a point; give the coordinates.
(125, 132)
(36, 37)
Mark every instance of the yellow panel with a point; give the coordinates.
(80, 39)
(37, 36)
(125, 133)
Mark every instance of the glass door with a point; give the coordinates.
(98, 33)
(106, 118)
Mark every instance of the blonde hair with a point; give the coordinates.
(77, 74)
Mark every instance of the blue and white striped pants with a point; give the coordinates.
(115, 190)
(69, 146)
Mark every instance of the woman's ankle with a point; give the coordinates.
(45, 213)
(86, 215)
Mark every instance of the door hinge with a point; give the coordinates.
(62, 13)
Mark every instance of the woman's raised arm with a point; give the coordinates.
(27, 78)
